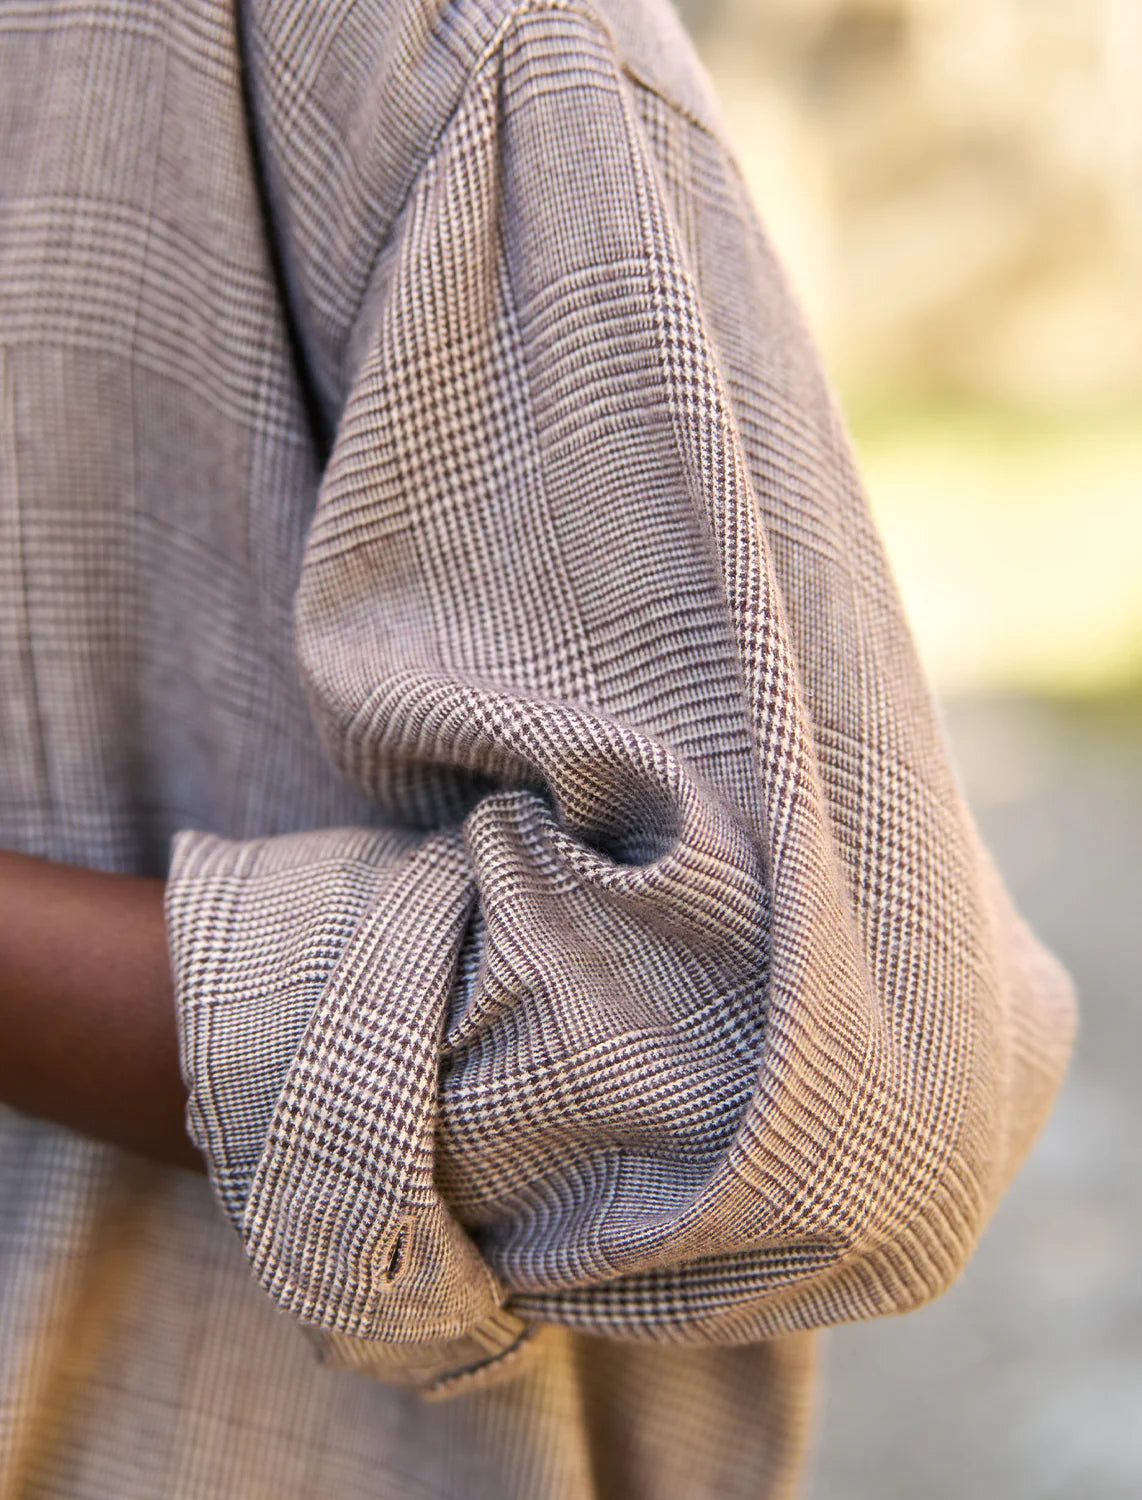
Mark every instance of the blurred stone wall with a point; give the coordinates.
(955, 184)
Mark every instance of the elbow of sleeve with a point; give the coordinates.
(1010, 1082)
(881, 1076)
(944, 1112)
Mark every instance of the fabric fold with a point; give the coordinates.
(672, 1000)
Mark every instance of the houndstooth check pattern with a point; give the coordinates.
(419, 500)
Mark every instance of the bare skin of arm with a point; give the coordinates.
(88, 1036)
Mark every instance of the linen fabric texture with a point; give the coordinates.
(421, 501)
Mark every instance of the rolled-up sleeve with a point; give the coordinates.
(674, 998)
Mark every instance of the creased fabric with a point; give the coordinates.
(424, 504)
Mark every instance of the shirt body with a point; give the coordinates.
(417, 494)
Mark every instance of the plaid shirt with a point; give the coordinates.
(420, 501)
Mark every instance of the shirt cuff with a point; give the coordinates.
(310, 1028)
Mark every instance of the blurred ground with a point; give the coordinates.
(1025, 1382)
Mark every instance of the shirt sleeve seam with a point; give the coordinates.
(530, 9)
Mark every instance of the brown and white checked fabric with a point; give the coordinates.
(415, 481)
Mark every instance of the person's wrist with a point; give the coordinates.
(88, 1031)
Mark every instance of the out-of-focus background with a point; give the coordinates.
(956, 188)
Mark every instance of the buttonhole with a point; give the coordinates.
(395, 1263)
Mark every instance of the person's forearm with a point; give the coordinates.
(87, 1022)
